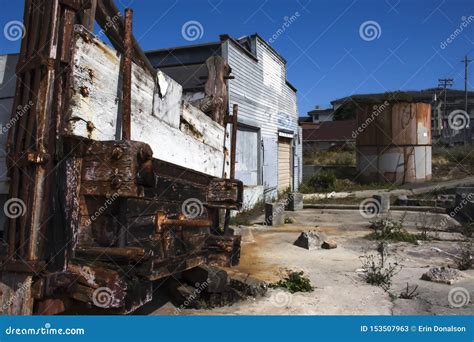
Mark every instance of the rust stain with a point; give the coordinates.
(84, 91)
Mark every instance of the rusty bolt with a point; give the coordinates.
(116, 182)
(90, 126)
(117, 153)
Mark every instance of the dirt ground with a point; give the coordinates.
(336, 273)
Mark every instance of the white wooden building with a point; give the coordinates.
(7, 93)
(269, 140)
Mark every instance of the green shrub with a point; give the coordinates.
(377, 273)
(294, 282)
(322, 181)
(392, 230)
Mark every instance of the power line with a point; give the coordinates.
(445, 83)
(466, 62)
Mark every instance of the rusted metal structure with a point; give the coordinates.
(394, 142)
(101, 213)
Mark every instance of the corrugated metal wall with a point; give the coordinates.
(394, 145)
(7, 93)
(265, 101)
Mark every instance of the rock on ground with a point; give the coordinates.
(310, 240)
(442, 275)
(329, 244)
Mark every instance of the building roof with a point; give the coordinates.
(305, 119)
(425, 95)
(192, 57)
(320, 111)
(329, 131)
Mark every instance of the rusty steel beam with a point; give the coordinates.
(109, 19)
(126, 110)
(127, 76)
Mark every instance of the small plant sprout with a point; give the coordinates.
(409, 293)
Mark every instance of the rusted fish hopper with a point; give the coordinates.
(393, 142)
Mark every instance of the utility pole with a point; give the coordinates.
(445, 83)
(466, 62)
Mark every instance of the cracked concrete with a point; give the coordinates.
(339, 289)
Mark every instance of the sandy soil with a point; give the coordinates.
(339, 287)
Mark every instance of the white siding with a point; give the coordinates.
(7, 93)
(246, 156)
(265, 102)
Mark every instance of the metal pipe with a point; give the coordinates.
(233, 142)
(126, 111)
(127, 76)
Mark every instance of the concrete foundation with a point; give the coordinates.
(464, 202)
(295, 201)
(384, 201)
(275, 214)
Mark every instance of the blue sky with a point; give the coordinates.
(326, 54)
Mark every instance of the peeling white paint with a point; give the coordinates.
(157, 110)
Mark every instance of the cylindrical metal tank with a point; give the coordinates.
(393, 142)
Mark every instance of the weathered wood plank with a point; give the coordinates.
(156, 109)
(15, 293)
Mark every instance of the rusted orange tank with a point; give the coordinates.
(393, 142)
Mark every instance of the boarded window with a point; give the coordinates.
(247, 156)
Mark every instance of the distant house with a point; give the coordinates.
(327, 135)
(269, 140)
(441, 130)
(321, 115)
